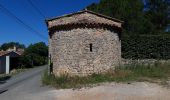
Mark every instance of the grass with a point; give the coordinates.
(13, 72)
(4, 77)
(19, 70)
(157, 72)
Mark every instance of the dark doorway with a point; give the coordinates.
(14, 63)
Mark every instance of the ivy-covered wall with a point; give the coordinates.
(146, 47)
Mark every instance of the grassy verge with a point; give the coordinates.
(16, 71)
(4, 77)
(158, 73)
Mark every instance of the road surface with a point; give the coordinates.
(26, 86)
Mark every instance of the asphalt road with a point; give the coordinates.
(26, 86)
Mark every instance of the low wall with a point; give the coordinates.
(143, 61)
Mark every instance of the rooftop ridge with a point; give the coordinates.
(88, 11)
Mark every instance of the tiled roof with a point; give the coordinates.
(84, 17)
(2, 53)
(19, 52)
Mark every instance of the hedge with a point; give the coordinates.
(146, 47)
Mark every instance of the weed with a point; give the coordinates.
(133, 72)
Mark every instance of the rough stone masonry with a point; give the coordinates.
(83, 43)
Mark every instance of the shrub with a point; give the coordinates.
(146, 47)
(35, 55)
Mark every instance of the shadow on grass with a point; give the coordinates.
(3, 79)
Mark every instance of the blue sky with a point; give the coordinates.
(11, 30)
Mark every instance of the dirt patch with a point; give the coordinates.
(117, 91)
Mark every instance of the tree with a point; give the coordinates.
(158, 11)
(153, 17)
(130, 11)
(35, 55)
(6, 46)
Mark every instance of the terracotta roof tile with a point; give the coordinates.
(84, 17)
(2, 53)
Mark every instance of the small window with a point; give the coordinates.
(91, 47)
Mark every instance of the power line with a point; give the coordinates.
(36, 8)
(10, 14)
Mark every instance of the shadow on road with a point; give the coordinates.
(2, 91)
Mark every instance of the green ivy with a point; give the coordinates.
(146, 47)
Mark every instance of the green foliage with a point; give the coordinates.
(157, 72)
(35, 55)
(6, 46)
(146, 47)
(158, 11)
(47, 79)
(152, 18)
(37, 48)
(130, 11)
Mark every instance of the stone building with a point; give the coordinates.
(83, 43)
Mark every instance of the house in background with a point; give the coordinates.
(9, 59)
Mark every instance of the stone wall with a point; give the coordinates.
(144, 62)
(71, 53)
